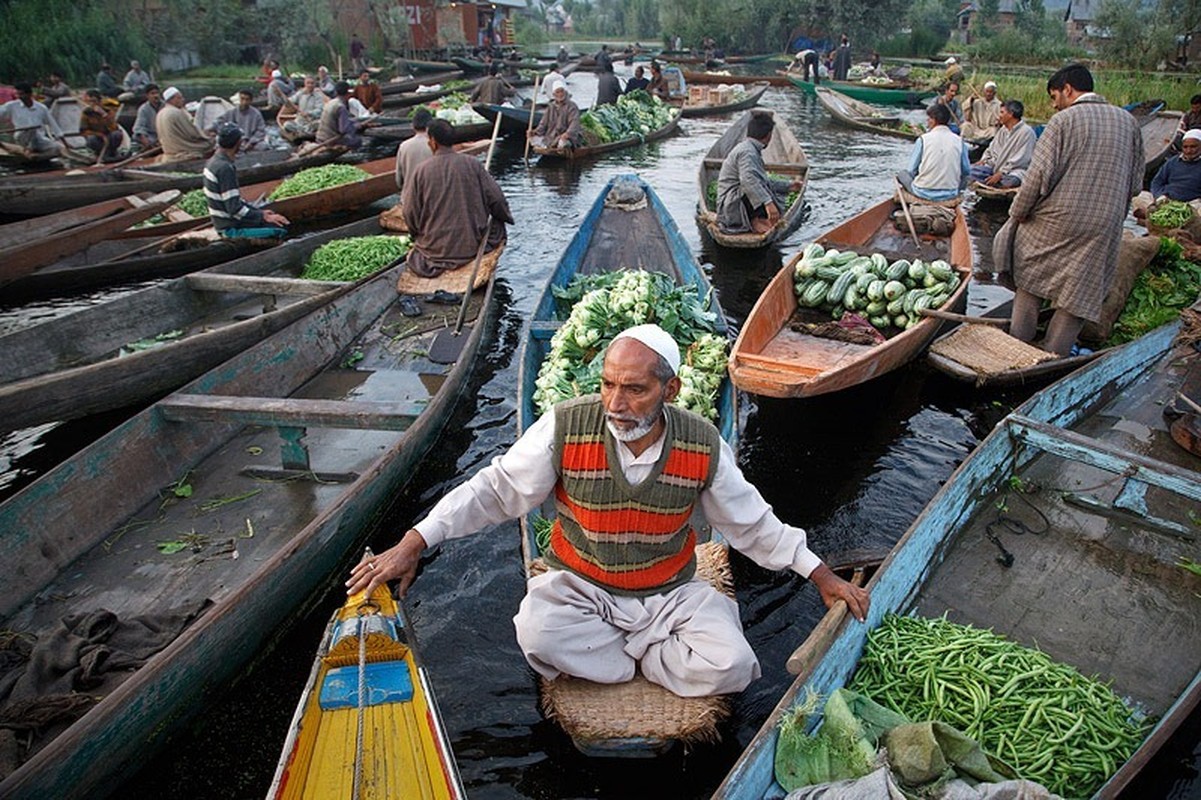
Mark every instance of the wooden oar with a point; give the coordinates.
(953, 317)
(153, 151)
(803, 657)
(492, 144)
(529, 130)
(905, 208)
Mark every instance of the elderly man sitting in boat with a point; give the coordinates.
(560, 124)
(1178, 179)
(939, 168)
(336, 126)
(35, 130)
(178, 135)
(748, 201)
(232, 216)
(1008, 156)
(306, 105)
(449, 202)
(249, 119)
(627, 470)
(981, 115)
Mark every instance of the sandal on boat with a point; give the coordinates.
(443, 297)
(409, 306)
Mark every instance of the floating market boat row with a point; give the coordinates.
(225, 504)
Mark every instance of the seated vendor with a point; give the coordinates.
(748, 201)
(232, 216)
(560, 124)
(1008, 156)
(939, 168)
(1178, 179)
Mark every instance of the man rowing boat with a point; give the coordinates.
(627, 470)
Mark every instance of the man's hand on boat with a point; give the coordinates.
(834, 588)
(397, 563)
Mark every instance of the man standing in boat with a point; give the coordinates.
(627, 470)
(1065, 224)
(748, 200)
(232, 216)
(449, 202)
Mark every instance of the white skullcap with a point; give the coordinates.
(656, 339)
(1195, 133)
(171, 92)
(556, 86)
(951, 60)
(989, 85)
(276, 73)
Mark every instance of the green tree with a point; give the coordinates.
(68, 36)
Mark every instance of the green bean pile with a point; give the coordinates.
(1171, 214)
(354, 258)
(316, 178)
(1049, 722)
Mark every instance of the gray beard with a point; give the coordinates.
(635, 433)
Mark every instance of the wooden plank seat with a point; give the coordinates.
(290, 412)
(255, 284)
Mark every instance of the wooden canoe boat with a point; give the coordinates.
(868, 93)
(856, 114)
(426, 66)
(553, 154)
(1157, 140)
(404, 750)
(185, 245)
(758, 58)
(783, 156)
(1074, 433)
(769, 358)
(83, 363)
(512, 120)
(749, 100)
(398, 133)
(33, 195)
(612, 238)
(724, 77)
(29, 244)
(412, 84)
(349, 399)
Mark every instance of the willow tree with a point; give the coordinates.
(759, 25)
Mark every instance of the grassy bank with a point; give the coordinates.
(1119, 87)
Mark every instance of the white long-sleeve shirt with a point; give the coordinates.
(520, 479)
(36, 115)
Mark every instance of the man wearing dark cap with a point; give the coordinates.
(232, 216)
(106, 84)
(450, 202)
(492, 89)
(336, 126)
(414, 151)
(748, 201)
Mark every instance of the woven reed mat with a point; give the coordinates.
(639, 708)
(454, 280)
(987, 350)
(393, 219)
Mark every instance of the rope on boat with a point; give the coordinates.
(362, 709)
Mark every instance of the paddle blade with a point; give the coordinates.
(448, 345)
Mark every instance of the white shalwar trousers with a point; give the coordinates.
(688, 640)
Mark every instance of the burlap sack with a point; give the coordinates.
(1136, 253)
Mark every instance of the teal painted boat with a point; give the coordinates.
(636, 232)
(880, 95)
(1103, 579)
(231, 502)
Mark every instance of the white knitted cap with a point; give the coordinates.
(656, 339)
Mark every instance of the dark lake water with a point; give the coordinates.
(854, 469)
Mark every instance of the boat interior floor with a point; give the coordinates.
(630, 239)
(204, 542)
(1100, 589)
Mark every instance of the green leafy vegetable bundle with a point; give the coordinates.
(634, 114)
(886, 294)
(1049, 722)
(1172, 214)
(354, 258)
(711, 193)
(602, 306)
(1169, 284)
(316, 178)
(193, 203)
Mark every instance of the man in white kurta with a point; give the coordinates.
(36, 130)
(1008, 156)
(687, 638)
(981, 115)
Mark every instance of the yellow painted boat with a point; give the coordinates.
(367, 725)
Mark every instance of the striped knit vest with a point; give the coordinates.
(632, 540)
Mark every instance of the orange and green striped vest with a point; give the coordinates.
(632, 540)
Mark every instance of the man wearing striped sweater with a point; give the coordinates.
(627, 470)
(232, 216)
